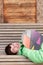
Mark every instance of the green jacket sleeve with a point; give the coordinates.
(34, 55)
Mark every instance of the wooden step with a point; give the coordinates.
(15, 60)
(12, 33)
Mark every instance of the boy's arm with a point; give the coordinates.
(34, 55)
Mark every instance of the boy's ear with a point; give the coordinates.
(26, 41)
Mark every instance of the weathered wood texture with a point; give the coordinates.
(10, 33)
(1, 11)
(20, 11)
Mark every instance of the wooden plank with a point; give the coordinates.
(9, 38)
(21, 26)
(18, 1)
(17, 63)
(10, 41)
(15, 32)
(12, 30)
(4, 34)
(12, 57)
(14, 60)
(35, 24)
(30, 5)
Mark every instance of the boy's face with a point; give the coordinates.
(15, 47)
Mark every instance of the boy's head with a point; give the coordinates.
(12, 49)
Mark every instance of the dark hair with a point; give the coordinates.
(8, 50)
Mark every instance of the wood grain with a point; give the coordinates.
(17, 11)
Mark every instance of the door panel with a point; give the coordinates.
(20, 11)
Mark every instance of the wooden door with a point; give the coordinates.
(20, 11)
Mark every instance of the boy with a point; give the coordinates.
(31, 46)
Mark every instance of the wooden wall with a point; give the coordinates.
(20, 11)
(1, 11)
